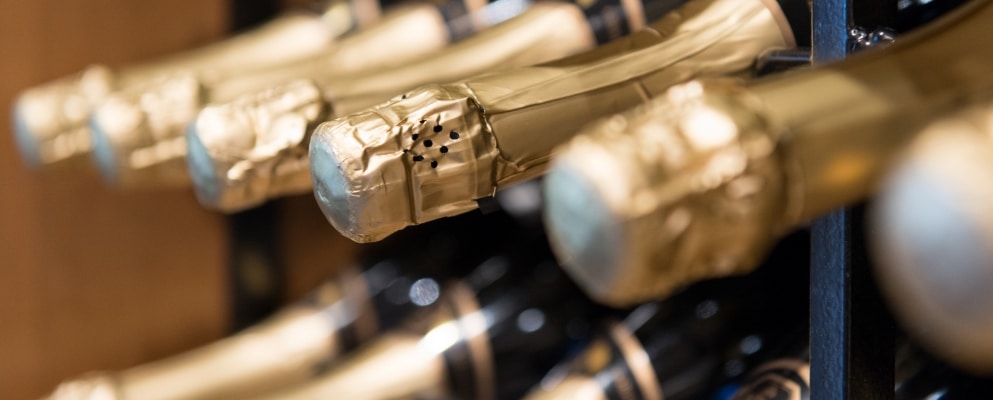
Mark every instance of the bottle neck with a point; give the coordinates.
(877, 101)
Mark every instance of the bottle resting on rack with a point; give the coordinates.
(694, 343)
(703, 180)
(938, 381)
(308, 337)
(786, 376)
(434, 151)
(50, 120)
(488, 336)
(139, 133)
(255, 148)
(933, 233)
(782, 379)
(917, 377)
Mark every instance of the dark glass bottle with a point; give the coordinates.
(698, 340)
(490, 335)
(304, 339)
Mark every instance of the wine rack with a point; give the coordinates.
(852, 333)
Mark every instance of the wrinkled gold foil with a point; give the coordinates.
(436, 150)
(701, 182)
(932, 227)
(139, 134)
(235, 177)
(286, 349)
(582, 377)
(51, 119)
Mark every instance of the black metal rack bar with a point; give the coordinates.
(851, 331)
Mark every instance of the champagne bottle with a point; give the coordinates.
(696, 342)
(436, 150)
(488, 336)
(788, 377)
(308, 337)
(50, 120)
(702, 181)
(255, 148)
(934, 232)
(139, 133)
(783, 379)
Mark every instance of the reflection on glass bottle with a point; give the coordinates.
(391, 281)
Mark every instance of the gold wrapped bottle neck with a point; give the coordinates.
(133, 130)
(238, 151)
(421, 149)
(50, 120)
(96, 386)
(688, 181)
(392, 166)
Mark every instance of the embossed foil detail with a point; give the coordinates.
(795, 161)
(933, 228)
(421, 157)
(680, 190)
(521, 41)
(246, 151)
(520, 115)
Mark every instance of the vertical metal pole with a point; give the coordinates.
(851, 333)
(255, 271)
(830, 30)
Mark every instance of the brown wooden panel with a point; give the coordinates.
(310, 247)
(90, 278)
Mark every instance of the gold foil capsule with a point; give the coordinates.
(701, 182)
(435, 151)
